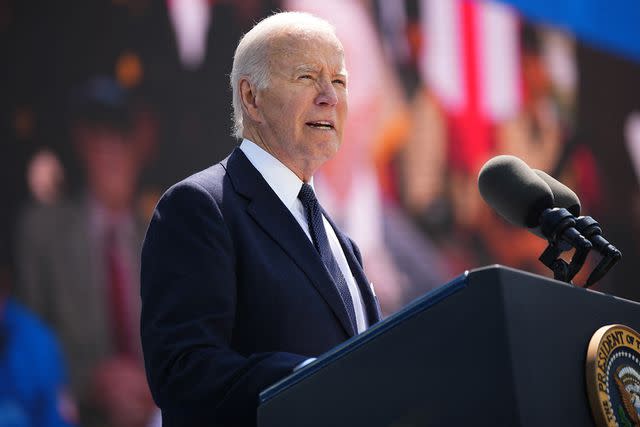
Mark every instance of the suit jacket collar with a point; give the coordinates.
(275, 219)
(280, 178)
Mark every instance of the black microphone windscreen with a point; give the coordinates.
(514, 191)
(563, 196)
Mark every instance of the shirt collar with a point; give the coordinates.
(280, 178)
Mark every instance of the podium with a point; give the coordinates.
(496, 346)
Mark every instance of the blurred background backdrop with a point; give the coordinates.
(106, 103)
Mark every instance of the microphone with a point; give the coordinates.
(514, 191)
(523, 198)
(564, 197)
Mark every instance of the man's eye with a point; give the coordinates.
(305, 76)
(340, 82)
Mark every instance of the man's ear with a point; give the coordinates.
(248, 99)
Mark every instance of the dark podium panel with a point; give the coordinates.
(496, 346)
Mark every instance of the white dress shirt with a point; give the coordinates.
(287, 185)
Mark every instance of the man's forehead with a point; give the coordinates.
(308, 53)
(302, 35)
(305, 42)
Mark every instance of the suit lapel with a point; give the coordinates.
(275, 219)
(370, 301)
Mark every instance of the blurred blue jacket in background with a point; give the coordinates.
(33, 387)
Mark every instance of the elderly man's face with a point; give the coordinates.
(305, 105)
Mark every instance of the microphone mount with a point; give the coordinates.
(558, 225)
(590, 228)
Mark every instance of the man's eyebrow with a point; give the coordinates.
(309, 68)
(306, 68)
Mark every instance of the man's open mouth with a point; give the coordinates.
(321, 124)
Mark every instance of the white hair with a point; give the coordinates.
(251, 59)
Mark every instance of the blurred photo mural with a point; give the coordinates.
(436, 88)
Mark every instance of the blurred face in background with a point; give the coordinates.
(535, 76)
(299, 118)
(112, 164)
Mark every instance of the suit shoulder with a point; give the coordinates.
(209, 180)
(211, 176)
(39, 213)
(48, 222)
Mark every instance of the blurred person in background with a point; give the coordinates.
(77, 259)
(33, 381)
(536, 134)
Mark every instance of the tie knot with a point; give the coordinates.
(307, 196)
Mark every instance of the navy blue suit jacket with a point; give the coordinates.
(234, 295)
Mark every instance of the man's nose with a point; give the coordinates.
(327, 94)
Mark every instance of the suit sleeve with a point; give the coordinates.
(188, 288)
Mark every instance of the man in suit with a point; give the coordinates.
(244, 276)
(78, 263)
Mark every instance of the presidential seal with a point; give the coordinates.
(613, 376)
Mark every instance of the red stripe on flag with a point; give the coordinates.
(470, 55)
(470, 128)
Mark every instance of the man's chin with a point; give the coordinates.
(330, 141)
(329, 149)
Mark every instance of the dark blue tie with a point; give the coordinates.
(320, 241)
